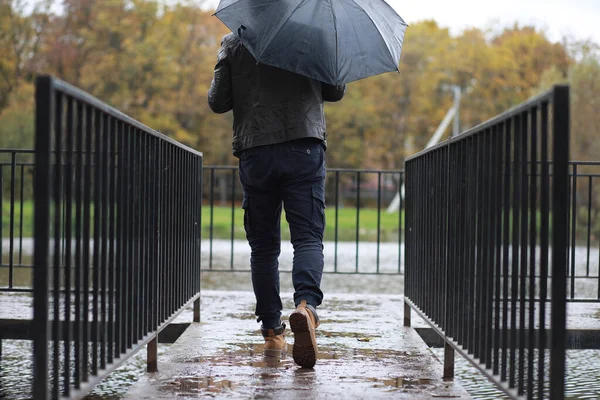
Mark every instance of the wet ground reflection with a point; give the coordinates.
(362, 350)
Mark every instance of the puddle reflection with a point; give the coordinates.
(195, 385)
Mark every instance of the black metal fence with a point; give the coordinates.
(223, 228)
(361, 236)
(117, 238)
(584, 232)
(16, 219)
(487, 245)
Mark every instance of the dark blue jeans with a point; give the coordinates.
(291, 174)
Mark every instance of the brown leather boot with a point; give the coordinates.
(303, 322)
(275, 344)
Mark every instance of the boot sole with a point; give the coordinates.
(305, 348)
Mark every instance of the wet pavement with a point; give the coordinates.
(364, 352)
(362, 357)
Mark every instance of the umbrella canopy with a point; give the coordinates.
(333, 41)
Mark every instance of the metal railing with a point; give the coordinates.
(486, 224)
(16, 222)
(584, 232)
(361, 237)
(224, 233)
(117, 238)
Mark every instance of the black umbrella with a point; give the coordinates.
(333, 41)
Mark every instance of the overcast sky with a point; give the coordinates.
(577, 18)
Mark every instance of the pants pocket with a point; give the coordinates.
(246, 208)
(318, 208)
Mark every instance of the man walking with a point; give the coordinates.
(280, 139)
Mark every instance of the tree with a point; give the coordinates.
(584, 81)
(20, 36)
(155, 64)
(16, 123)
(154, 60)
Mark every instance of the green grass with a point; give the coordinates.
(27, 218)
(222, 223)
(346, 224)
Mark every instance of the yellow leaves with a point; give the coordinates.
(16, 120)
(155, 59)
(584, 81)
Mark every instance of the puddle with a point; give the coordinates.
(236, 316)
(198, 385)
(358, 305)
(400, 382)
(361, 337)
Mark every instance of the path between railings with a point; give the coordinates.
(364, 350)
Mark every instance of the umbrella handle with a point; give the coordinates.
(240, 29)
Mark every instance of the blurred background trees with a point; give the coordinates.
(154, 60)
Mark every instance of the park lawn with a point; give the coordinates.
(27, 218)
(222, 218)
(222, 223)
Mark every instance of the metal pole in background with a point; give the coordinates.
(457, 95)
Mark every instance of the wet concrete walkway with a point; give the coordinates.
(364, 353)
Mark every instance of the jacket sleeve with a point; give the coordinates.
(333, 93)
(220, 93)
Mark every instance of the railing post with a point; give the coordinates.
(407, 311)
(44, 122)
(197, 310)
(560, 243)
(448, 361)
(152, 355)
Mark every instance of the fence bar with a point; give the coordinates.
(11, 255)
(573, 208)
(79, 266)
(523, 251)
(497, 211)
(337, 218)
(378, 217)
(212, 216)
(21, 217)
(44, 121)
(357, 216)
(533, 188)
(589, 227)
(57, 235)
(112, 240)
(560, 245)
(98, 129)
(87, 200)
(232, 215)
(544, 243)
(400, 216)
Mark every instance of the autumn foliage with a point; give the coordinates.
(154, 60)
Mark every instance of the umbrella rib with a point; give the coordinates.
(279, 28)
(379, 32)
(337, 72)
(224, 8)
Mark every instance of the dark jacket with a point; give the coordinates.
(269, 105)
